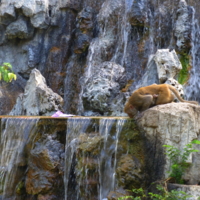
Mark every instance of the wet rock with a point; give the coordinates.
(171, 124)
(47, 197)
(151, 75)
(137, 12)
(37, 99)
(9, 93)
(43, 167)
(82, 43)
(54, 72)
(129, 171)
(8, 14)
(89, 144)
(193, 190)
(39, 181)
(19, 29)
(103, 87)
(183, 27)
(84, 30)
(88, 155)
(115, 195)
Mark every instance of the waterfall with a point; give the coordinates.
(75, 127)
(15, 134)
(108, 155)
(91, 157)
(193, 86)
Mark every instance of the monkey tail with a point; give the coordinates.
(178, 96)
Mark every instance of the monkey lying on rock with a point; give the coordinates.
(146, 97)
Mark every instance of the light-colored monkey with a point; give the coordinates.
(146, 97)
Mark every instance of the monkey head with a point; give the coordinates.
(130, 110)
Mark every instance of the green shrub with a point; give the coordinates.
(6, 73)
(163, 194)
(179, 160)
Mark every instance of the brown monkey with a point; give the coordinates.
(146, 97)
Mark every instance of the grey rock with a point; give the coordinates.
(163, 67)
(183, 27)
(37, 99)
(7, 11)
(137, 12)
(173, 124)
(168, 64)
(102, 87)
(193, 190)
(19, 29)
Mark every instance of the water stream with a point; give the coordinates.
(95, 144)
(193, 86)
(15, 134)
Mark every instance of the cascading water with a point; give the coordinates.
(15, 134)
(108, 155)
(91, 157)
(75, 127)
(193, 86)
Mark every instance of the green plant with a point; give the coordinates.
(163, 194)
(139, 192)
(183, 75)
(166, 195)
(179, 159)
(6, 73)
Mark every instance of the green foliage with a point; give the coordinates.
(179, 165)
(166, 195)
(179, 160)
(184, 73)
(139, 194)
(6, 73)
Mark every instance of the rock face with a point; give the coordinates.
(173, 124)
(37, 99)
(103, 89)
(89, 158)
(33, 162)
(68, 41)
(162, 66)
(192, 190)
(168, 64)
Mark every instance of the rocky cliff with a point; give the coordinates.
(74, 43)
(47, 158)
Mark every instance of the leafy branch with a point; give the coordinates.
(179, 159)
(6, 73)
(179, 165)
(164, 194)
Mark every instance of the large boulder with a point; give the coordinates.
(168, 64)
(38, 98)
(163, 65)
(103, 87)
(173, 124)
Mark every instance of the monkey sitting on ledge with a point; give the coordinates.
(149, 96)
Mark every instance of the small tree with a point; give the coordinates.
(179, 159)
(6, 73)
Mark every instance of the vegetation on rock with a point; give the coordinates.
(179, 159)
(6, 73)
(178, 166)
(184, 73)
